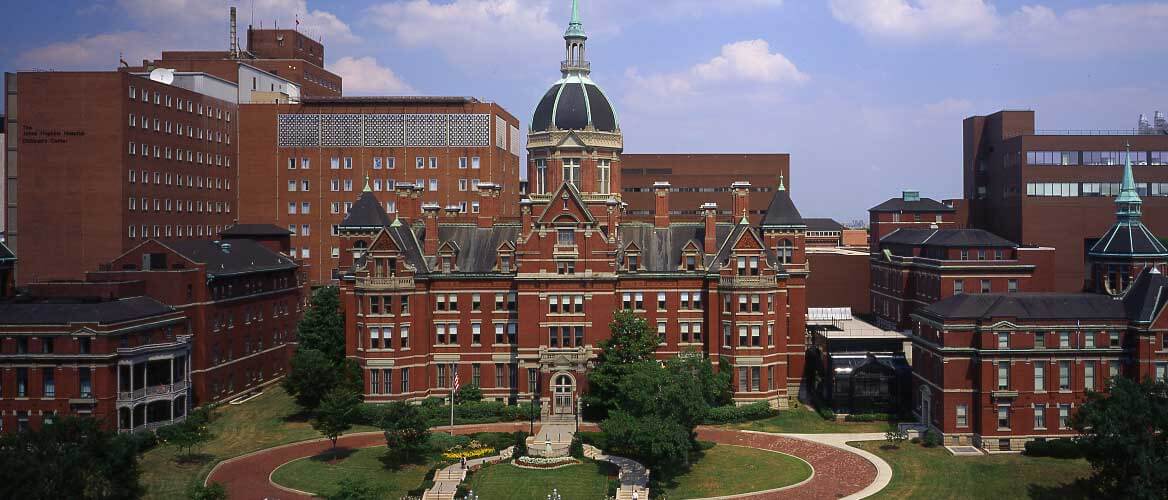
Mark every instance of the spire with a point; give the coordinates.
(1128, 202)
(575, 27)
(367, 188)
(782, 185)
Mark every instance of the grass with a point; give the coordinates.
(728, 470)
(266, 421)
(802, 420)
(919, 472)
(320, 475)
(505, 481)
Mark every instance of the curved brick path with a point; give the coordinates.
(837, 473)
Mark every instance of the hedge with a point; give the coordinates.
(730, 414)
(1055, 448)
(869, 417)
(474, 412)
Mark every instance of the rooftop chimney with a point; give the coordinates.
(430, 214)
(488, 203)
(741, 200)
(613, 210)
(661, 212)
(710, 215)
(234, 41)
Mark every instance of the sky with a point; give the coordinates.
(866, 95)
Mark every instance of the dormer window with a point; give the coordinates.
(633, 263)
(504, 263)
(748, 266)
(691, 262)
(447, 263)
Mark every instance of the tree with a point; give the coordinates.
(190, 432)
(405, 428)
(311, 376)
(336, 413)
(353, 489)
(322, 328)
(1124, 435)
(213, 491)
(520, 445)
(468, 393)
(71, 458)
(662, 444)
(630, 341)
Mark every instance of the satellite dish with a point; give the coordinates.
(162, 75)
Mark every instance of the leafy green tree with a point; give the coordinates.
(1124, 435)
(322, 328)
(337, 411)
(631, 340)
(353, 489)
(520, 445)
(189, 433)
(311, 376)
(213, 491)
(715, 386)
(468, 393)
(71, 458)
(662, 444)
(405, 428)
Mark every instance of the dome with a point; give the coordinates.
(573, 103)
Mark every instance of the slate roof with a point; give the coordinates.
(243, 256)
(64, 313)
(477, 247)
(661, 248)
(5, 253)
(782, 211)
(946, 238)
(256, 230)
(367, 212)
(1128, 239)
(922, 205)
(1147, 296)
(1027, 306)
(818, 224)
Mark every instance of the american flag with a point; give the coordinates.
(454, 368)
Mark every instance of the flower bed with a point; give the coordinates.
(544, 462)
(474, 449)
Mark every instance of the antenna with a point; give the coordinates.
(234, 41)
(163, 76)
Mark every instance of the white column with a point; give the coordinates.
(172, 370)
(131, 390)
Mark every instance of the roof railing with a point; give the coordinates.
(1129, 131)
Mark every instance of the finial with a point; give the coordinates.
(367, 188)
(782, 185)
(575, 27)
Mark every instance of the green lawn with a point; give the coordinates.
(728, 470)
(320, 475)
(266, 421)
(585, 481)
(919, 472)
(802, 420)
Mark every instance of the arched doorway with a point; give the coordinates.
(563, 394)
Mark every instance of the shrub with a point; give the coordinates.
(825, 412)
(895, 437)
(596, 439)
(730, 414)
(520, 444)
(496, 440)
(1055, 448)
(213, 491)
(144, 440)
(576, 449)
(931, 439)
(869, 417)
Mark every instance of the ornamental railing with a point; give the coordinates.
(386, 283)
(747, 281)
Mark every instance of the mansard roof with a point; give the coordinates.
(1147, 296)
(952, 238)
(1128, 240)
(1027, 306)
(225, 258)
(782, 212)
(367, 212)
(478, 248)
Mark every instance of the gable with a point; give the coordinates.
(566, 206)
(571, 140)
(384, 244)
(748, 241)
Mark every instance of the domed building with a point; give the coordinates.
(575, 134)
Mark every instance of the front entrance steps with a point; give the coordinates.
(554, 437)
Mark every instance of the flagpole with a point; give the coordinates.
(453, 388)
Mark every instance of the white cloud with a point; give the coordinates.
(93, 51)
(214, 13)
(1037, 29)
(364, 76)
(750, 61)
(917, 19)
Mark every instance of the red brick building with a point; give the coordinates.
(910, 211)
(242, 301)
(303, 164)
(125, 362)
(518, 305)
(101, 161)
(916, 267)
(701, 178)
(1055, 188)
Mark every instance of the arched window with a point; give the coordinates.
(785, 251)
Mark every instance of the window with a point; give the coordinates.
(1113, 338)
(405, 380)
(660, 301)
(48, 383)
(462, 163)
(1003, 416)
(476, 333)
(958, 287)
(1040, 376)
(962, 415)
(433, 162)
(1003, 340)
(661, 332)
(1064, 416)
(1040, 416)
(985, 286)
(474, 162)
(21, 382)
(566, 237)
(785, 252)
(540, 176)
(1012, 286)
(305, 163)
(1064, 340)
(85, 382)
(1003, 375)
(604, 176)
(1089, 375)
(433, 184)
(1064, 368)
(572, 171)
(499, 375)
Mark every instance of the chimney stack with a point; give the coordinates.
(488, 203)
(661, 213)
(525, 217)
(710, 215)
(613, 210)
(741, 200)
(430, 214)
(234, 42)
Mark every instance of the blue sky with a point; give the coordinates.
(866, 95)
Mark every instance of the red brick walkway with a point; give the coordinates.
(837, 473)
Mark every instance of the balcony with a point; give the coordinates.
(748, 282)
(386, 283)
(575, 65)
(154, 392)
